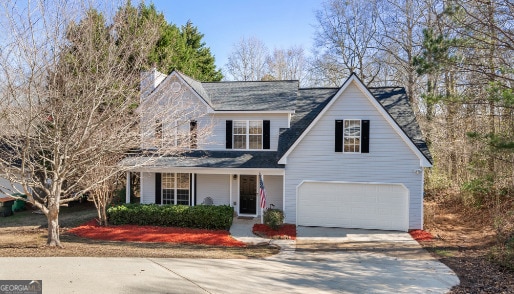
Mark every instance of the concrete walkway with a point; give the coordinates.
(242, 230)
(315, 267)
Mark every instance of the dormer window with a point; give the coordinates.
(248, 134)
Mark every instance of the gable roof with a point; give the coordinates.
(307, 104)
(393, 101)
(243, 96)
(397, 104)
(196, 86)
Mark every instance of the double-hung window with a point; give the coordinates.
(352, 136)
(180, 134)
(247, 134)
(175, 188)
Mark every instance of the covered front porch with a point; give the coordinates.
(237, 188)
(210, 178)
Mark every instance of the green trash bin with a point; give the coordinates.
(19, 204)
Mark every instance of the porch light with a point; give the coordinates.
(234, 177)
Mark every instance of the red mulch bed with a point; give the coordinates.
(421, 235)
(135, 233)
(286, 231)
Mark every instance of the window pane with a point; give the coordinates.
(255, 127)
(182, 133)
(182, 181)
(255, 141)
(168, 180)
(182, 197)
(239, 141)
(168, 196)
(239, 127)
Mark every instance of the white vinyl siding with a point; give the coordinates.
(172, 128)
(147, 188)
(274, 191)
(215, 186)
(390, 159)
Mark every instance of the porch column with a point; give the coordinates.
(127, 189)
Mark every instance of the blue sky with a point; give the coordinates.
(278, 23)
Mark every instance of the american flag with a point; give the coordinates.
(262, 192)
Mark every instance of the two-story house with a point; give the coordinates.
(339, 157)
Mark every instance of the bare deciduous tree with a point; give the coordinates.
(247, 62)
(347, 40)
(287, 64)
(69, 107)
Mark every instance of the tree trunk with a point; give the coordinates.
(53, 239)
(492, 68)
(104, 216)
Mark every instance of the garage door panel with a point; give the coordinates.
(353, 205)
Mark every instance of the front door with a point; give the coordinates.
(247, 194)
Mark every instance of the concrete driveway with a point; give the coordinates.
(321, 264)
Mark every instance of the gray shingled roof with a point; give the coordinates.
(309, 104)
(397, 104)
(285, 96)
(252, 96)
(246, 96)
(213, 159)
(197, 87)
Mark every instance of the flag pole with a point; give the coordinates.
(262, 196)
(262, 215)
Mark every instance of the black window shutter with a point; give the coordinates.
(365, 136)
(191, 196)
(158, 187)
(194, 195)
(193, 134)
(339, 136)
(266, 134)
(228, 138)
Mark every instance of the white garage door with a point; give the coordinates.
(353, 205)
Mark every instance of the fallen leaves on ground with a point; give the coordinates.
(421, 235)
(155, 234)
(286, 231)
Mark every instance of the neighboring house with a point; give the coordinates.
(338, 157)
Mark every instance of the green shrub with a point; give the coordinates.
(476, 191)
(274, 218)
(201, 217)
